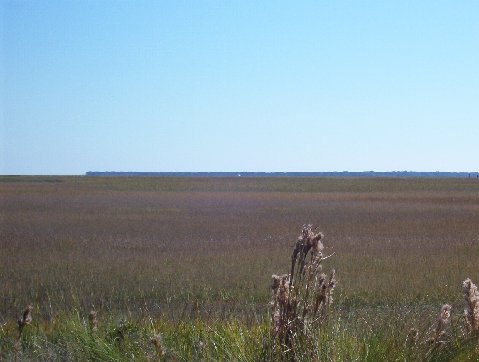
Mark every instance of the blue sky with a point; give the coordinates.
(239, 86)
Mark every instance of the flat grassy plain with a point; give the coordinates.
(186, 256)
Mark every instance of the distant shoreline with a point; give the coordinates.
(438, 174)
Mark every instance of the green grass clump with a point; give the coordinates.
(357, 336)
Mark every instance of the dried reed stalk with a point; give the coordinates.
(443, 322)
(92, 320)
(300, 300)
(471, 312)
(25, 319)
(412, 337)
(157, 341)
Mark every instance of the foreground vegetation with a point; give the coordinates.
(190, 260)
(353, 337)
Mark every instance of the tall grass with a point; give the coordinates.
(178, 269)
(358, 335)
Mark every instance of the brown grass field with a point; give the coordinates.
(177, 247)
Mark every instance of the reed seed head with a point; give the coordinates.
(471, 311)
(300, 299)
(445, 315)
(26, 317)
(92, 320)
(157, 341)
(443, 322)
(412, 336)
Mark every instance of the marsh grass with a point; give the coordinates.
(115, 243)
(356, 336)
(190, 259)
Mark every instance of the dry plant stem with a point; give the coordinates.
(24, 320)
(443, 323)
(300, 299)
(471, 312)
(92, 320)
(412, 336)
(157, 341)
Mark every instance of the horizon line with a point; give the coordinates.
(239, 173)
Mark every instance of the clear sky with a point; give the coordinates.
(239, 86)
